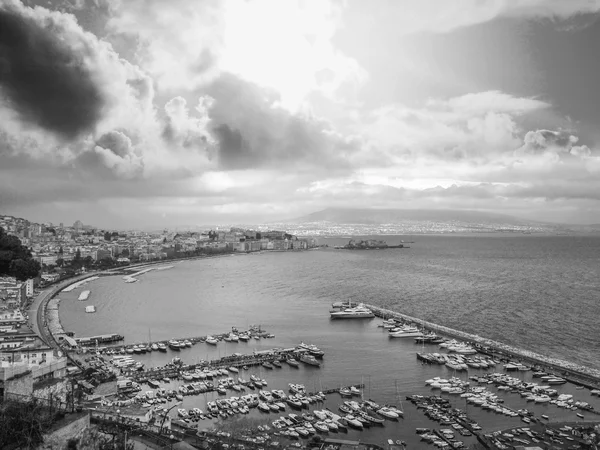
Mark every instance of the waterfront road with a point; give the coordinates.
(37, 319)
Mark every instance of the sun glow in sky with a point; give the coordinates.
(220, 111)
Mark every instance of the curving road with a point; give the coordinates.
(38, 307)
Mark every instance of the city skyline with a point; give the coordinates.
(133, 114)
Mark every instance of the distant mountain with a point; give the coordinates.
(393, 216)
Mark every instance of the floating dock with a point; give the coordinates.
(102, 339)
(574, 373)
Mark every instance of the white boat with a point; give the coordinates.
(264, 407)
(84, 295)
(388, 413)
(211, 340)
(406, 332)
(90, 309)
(357, 312)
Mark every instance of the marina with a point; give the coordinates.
(392, 369)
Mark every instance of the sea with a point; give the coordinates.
(536, 292)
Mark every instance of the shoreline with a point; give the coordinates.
(575, 373)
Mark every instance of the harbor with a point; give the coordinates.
(577, 374)
(391, 370)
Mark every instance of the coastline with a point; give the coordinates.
(576, 373)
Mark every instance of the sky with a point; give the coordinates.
(139, 113)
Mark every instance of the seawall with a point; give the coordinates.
(573, 372)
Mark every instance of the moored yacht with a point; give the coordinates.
(357, 312)
(406, 332)
(211, 340)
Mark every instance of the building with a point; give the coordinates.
(22, 368)
(29, 288)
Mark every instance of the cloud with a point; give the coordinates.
(284, 46)
(252, 130)
(439, 16)
(177, 42)
(469, 126)
(44, 72)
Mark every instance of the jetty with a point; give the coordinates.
(254, 332)
(574, 373)
(102, 339)
(236, 360)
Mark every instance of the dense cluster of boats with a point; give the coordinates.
(481, 396)
(440, 410)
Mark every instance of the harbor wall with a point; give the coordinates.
(573, 372)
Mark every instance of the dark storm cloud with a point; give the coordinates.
(253, 131)
(43, 79)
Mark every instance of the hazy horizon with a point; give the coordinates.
(131, 113)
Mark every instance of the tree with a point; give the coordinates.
(60, 262)
(77, 260)
(60, 250)
(88, 261)
(16, 259)
(107, 236)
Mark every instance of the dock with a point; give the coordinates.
(574, 373)
(254, 333)
(102, 339)
(238, 361)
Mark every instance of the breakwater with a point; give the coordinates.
(573, 372)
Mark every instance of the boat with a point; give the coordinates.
(297, 388)
(345, 392)
(267, 365)
(405, 332)
(292, 401)
(161, 347)
(321, 426)
(233, 369)
(357, 312)
(276, 364)
(310, 360)
(388, 413)
(292, 362)
(174, 345)
(211, 340)
(353, 422)
(264, 407)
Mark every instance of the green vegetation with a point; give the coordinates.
(15, 259)
(23, 424)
